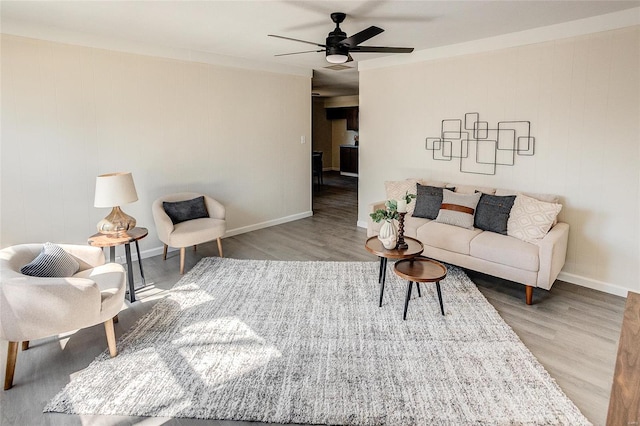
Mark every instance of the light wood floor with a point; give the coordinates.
(573, 331)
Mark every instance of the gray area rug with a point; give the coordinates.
(305, 342)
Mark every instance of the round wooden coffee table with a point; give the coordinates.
(374, 245)
(420, 270)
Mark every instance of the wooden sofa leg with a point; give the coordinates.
(182, 254)
(220, 247)
(195, 247)
(528, 290)
(164, 252)
(111, 337)
(12, 355)
(25, 345)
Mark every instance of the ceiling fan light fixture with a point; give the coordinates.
(337, 54)
(337, 58)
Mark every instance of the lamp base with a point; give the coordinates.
(116, 222)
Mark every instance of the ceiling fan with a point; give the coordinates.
(338, 46)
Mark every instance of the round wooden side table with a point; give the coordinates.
(374, 245)
(420, 270)
(126, 238)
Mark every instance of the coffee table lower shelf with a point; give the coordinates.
(420, 270)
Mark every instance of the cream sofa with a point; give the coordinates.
(534, 265)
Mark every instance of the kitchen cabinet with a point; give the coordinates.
(351, 114)
(349, 160)
(352, 119)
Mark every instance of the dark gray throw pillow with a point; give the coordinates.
(52, 261)
(428, 200)
(492, 213)
(181, 211)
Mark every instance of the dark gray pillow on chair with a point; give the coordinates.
(182, 211)
(52, 261)
(428, 201)
(492, 213)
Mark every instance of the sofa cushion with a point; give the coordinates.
(52, 261)
(196, 231)
(447, 237)
(411, 225)
(506, 250)
(458, 209)
(108, 277)
(396, 190)
(531, 219)
(428, 201)
(492, 213)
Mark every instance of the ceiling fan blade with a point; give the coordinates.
(380, 49)
(295, 39)
(297, 53)
(362, 36)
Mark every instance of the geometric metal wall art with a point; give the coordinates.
(481, 149)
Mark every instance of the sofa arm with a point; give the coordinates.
(87, 256)
(552, 254)
(372, 227)
(377, 205)
(164, 225)
(33, 308)
(215, 208)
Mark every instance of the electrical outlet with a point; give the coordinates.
(303, 139)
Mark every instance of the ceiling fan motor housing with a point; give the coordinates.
(335, 46)
(337, 50)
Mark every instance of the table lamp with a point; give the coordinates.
(114, 190)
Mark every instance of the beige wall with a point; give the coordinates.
(70, 113)
(582, 96)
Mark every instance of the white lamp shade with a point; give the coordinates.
(115, 189)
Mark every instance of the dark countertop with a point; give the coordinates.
(348, 146)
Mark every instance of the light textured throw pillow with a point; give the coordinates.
(52, 261)
(458, 209)
(182, 211)
(531, 219)
(396, 190)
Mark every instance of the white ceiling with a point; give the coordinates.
(239, 28)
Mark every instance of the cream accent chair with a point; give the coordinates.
(33, 307)
(191, 232)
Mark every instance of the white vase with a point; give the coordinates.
(388, 235)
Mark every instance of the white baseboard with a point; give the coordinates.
(593, 284)
(362, 224)
(230, 233)
(280, 221)
(348, 174)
